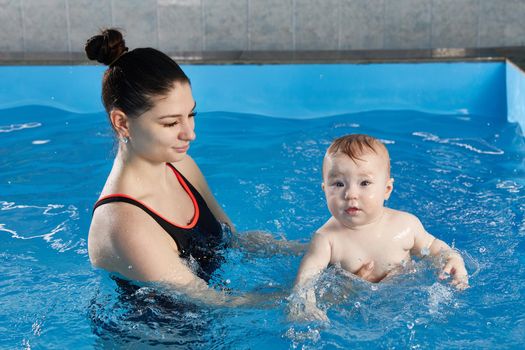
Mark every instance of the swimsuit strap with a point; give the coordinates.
(166, 225)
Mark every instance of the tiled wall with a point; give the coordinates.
(62, 26)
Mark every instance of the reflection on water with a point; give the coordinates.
(465, 183)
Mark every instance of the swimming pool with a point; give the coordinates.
(261, 134)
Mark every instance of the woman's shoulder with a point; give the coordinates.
(115, 225)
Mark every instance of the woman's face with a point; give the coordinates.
(164, 133)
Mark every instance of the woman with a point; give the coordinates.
(156, 209)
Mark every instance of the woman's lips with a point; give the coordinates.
(182, 149)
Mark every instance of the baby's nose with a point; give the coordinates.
(351, 192)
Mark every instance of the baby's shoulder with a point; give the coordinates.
(395, 216)
(329, 229)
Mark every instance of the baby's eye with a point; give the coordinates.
(365, 183)
(338, 184)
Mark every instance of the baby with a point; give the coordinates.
(363, 236)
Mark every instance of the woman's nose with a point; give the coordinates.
(188, 130)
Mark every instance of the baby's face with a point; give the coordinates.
(356, 189)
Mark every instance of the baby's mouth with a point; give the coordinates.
(352, 210)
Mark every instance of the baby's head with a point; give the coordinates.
(356, 179)
(355, 146)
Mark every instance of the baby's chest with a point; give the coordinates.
(384, 255)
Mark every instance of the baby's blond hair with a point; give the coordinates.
(355, 145)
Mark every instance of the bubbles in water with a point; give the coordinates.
(482, 250)
(410, 325)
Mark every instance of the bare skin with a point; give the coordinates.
(363, 236)
(123, 238)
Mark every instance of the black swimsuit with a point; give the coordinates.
(201, 239)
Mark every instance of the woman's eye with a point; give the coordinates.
(365, 183)
(192, 115)
(170, 125)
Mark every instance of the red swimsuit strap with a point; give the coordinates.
(183, 184)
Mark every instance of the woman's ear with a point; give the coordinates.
(389, 188)
(119, 121)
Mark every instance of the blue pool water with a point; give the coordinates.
(463, 174)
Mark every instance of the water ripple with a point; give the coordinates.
(50, 209)
(475, 145)
(16, 127)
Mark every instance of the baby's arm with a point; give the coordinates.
(425, 243)
(314, 261)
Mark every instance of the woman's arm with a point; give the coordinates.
(126, 241)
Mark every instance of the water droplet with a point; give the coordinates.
(228, 281)
(374, 287)
(425, 251)
(357, 304)
(130, 267)
(410, 325)
(482, 250)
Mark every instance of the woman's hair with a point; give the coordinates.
(133, 77)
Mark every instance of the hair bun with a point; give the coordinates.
(106, 47)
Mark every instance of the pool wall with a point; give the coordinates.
(34, 30)
(495, 89)
(515, 79)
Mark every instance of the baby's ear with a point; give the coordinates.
(389, 188)
(322, 185)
